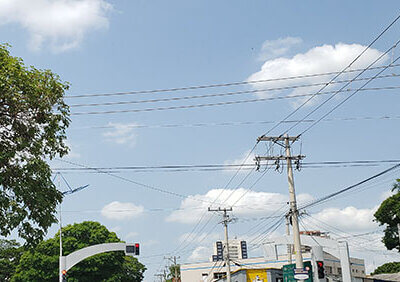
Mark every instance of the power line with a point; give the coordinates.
(216, 85)
(234, 123)
(343, 87)
(221, 94)
(223, 166)
(221, 103)
(336, 76)
(345, 100)
(150, 187)
(327, 197)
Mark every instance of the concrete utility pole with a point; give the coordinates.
(292, 195)
(289, 246)
(225, 222)
(176, 275)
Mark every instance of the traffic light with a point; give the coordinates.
(321, 270)
(137, 249)
(64, 275)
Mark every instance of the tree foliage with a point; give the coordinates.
(10, 253)
(388, 214)
(41, 263)
(171, 275)
(390, 267)
(33, 120)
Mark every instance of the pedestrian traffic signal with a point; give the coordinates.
(64, 275)
(321, 270)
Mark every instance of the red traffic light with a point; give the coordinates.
(64, 272)
(320, 264)
(136, 245)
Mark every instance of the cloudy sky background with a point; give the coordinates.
(119, 46)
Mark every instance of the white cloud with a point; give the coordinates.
(246, 158)
(120, 211)
(349, 219)
(61, 25)
(320, 59)
(387, 194)
(275, 48)
(121, 133)
(200, 253)
(246, 202)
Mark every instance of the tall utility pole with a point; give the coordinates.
(289, 246)
(176, 275)
(292, 195)
(225, 221)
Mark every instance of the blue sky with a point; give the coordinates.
(104, 46)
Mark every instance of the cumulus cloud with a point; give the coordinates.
(349, 219)
(120, 211)
(61, 25)
(274, 48)
(200, 253)
(320, 59)
(122, 133)
(246, 158)
(247, 203)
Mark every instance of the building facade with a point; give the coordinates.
(214, 270)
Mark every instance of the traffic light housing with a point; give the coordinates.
(320, 269)
(64, 275)
(137, 249)
(132, 250)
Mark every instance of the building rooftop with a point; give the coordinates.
(387, 276)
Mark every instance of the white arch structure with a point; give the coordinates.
(67, 262)
(316, 243)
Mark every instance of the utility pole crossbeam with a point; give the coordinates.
(225, 222)
(292, 195)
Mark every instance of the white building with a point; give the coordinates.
(215, 269)
(237, 250)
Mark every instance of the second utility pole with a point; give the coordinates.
(292, 195)
(225, 222)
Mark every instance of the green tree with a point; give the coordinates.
(388, 214)
(390, 267)
(33, 120)
(41, 263)
(10, 254)
(173, 270)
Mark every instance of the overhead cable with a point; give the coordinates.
(217, 85)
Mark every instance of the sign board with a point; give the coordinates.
(291, 274)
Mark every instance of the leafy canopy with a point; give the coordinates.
(388, 214)
(390, 267)
(10, 253)
(41, 263)
(33, 120)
